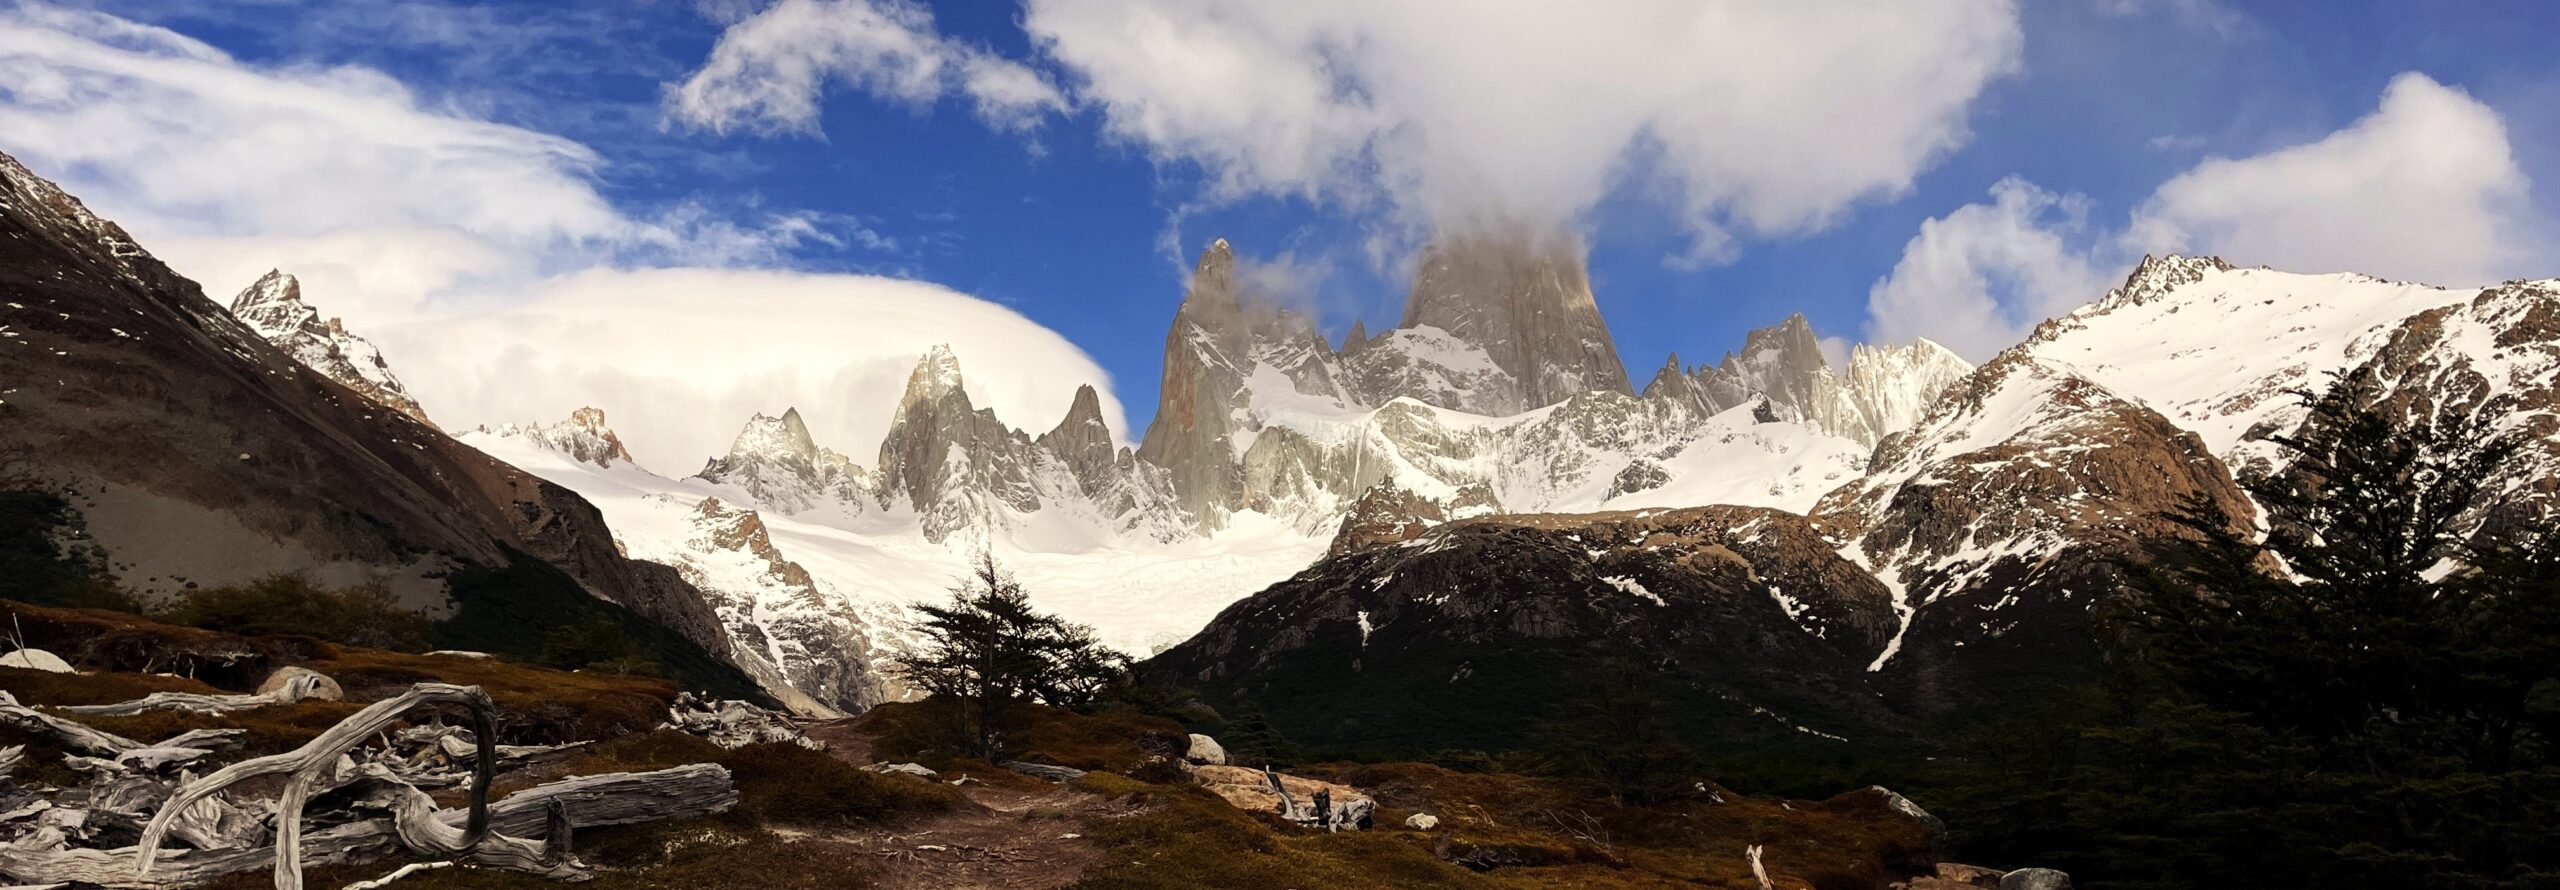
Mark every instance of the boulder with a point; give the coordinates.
(1206, 750)
(1969, 875)
(917, 770)
(292, 684)
(35, 660)
(1290, 797)
(1422, 821)
(2035, 879)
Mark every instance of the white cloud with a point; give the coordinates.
(1977, 280)
(482, 256)
(1742, 117)
(679, 358)
(1746, 117)
(2424, 188)
(770, 69)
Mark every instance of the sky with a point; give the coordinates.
(687, 212)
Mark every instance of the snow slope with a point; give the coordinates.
(1138, 596)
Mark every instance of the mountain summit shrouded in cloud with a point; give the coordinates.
(1738, 115)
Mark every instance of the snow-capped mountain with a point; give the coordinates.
(274, 308)
(1258, 413)
(1992, 525)
(1886, 388)
(584, 437)
(782, 467)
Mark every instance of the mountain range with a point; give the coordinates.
(1476, 506)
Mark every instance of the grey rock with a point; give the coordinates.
(1205, 750)
(2035, 879)
(293, 684)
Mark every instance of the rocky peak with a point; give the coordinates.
(785, 436)
(584, 437)
(273, 308)
(1358, 337)
(778, 462)
(936, 377)
(1893, 386)
(2157, 275)
(1525, 300)
(1674, 385)
(952, 462)
(1083, 440)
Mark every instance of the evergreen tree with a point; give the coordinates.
(987, 650)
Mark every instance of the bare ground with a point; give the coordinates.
(1005, 836)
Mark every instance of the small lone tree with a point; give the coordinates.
(987, 650)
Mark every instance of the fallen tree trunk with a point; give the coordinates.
(700, 789)
(194, 702)
(29, 720)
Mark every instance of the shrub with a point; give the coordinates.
(293, 604)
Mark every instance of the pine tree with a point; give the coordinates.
(987, 651)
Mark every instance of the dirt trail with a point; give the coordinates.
(1004, 837)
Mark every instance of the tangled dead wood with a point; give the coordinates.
(530, 831)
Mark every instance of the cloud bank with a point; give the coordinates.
(1742, 118)
(481, 256)
(2425, 188)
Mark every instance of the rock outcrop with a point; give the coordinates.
(584, 437)
(815, 650)
(273, 307)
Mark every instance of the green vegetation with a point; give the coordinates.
(519, 610)
(987, 652)
(40, 564)
(293, 604)
(2383, 717)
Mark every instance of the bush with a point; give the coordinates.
(38, 566)
(292, 603)
(785, 783)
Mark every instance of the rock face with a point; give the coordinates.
(1886, 388)
(293, 684)
(1476, 633)
(273, 307)
(1222, 338)
(584, 438)
(817, 651)
(1522, 301)
(168, 412)
(2003, 517)
(35, 660)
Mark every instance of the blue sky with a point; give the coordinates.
(1059, 207)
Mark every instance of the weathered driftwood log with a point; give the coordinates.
(194, 702)
(317, 760)
(29, 720)
(699, 789)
